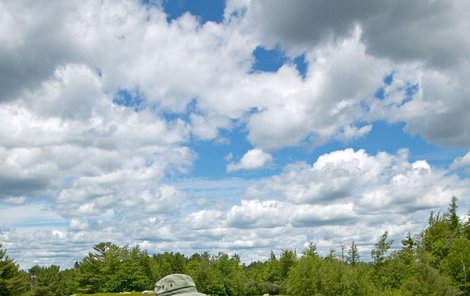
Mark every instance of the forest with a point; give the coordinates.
(433, 262)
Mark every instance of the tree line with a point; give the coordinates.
(433, 262)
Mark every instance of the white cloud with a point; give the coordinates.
(256, 213)
(31, 216)
(204, 219)
(253, 159)
(380, 183)
(432, 103)
(426, 40)
(105, 168)
(431, 32)
(76, 224)
(317, 109)
(73, 93)
(15, 200)
(118, 43)
(207, 127)
(352, 132)
(461, 162)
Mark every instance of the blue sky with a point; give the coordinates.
(228, 126)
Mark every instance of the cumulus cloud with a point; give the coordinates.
(317, 109)
(342, 196)
(313, 110)
(203, 219)
(33, 216)
(374, 183)
(258, 214)
(251, 160)
(433, 32)
(223, 92)
(33, 44)
(431, 103)
(76, 224)
(427, 40)
(100, 102)
(461, 162)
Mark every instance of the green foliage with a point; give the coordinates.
(12, 280)
(112, 269)
(254, 283)
(381, 247)
(408, 249)
(457, 263)
(272, 272)
(111, 294)
(305, 279)
(217, 275)
(67, 284)
(167, 263)
(426, 281)
(45, 280)
(315, 276)
(353, 254)
(451, 216)
(311, 250)
(287, 260)
(466, 226)
(445, 246)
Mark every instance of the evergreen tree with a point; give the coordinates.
(332, 254)
(466, 226)
(451, 215)
(253, 273)
(12, 281)
(311, 250)
(407, 251)
(457, 263)
(304, 277)
(381, 247)
(408, 243)
(272, 271)
(129, 274)
(46, 280)
(272, 275)
(287, 260)
(198, 268)
(436, 240)
(96, 269)
(353, 254)
(68, 282)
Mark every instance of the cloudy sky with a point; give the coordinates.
(238, 126)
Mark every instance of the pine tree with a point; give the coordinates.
(408, 247)
(381, 247)
(287, 260)
(408, 243)
(466, 226)
(353, 254)
(12, 280)
(451, 216)
(311, 250)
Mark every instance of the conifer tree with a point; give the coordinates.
(381, 247)
(451, 215)
(408, 243)
(12, 280)
(353, 254)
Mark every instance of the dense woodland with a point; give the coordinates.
(434, 262)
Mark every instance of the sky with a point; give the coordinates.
(235, 126)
